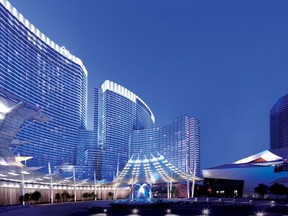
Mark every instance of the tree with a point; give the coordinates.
(85, 196)
(261, 189)
(175, 192)
(277, 189)
(21, 199)
(35, 196)
(92, 196)
(71, 197)
(110, 195)
(27, 197)
(58, 197)
(89, 196)
(65, 196)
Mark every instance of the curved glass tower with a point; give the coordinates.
(120, 112)
(36, 69)
(178, 142)
(279, 124)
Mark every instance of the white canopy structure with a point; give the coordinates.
(152, 169)
(13, 113)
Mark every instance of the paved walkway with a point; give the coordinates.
(80, 208)
(59, 209)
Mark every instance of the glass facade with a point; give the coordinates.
(279, 124)
(36, 69)
(120, 112)
(86, 154)
(178, 142)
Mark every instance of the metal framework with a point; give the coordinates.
(13, 113)
(153, 170)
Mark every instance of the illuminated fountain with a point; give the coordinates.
(142, 171)
(143, 194)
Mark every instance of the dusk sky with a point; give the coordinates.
(224, 62)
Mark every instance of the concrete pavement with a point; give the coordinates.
(59, 209)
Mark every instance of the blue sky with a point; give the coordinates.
(224, 62)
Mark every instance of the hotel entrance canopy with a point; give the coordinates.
(13, 113)
(152, 169)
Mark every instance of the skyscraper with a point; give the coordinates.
(87, 152)
(41, 72)
(120, 112)
(279, 124)
(37, 70)
(178, 142)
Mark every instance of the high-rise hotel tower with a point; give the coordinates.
(178, 142)
(126, 127)
(41, 72)
(120, 111)
(279, 124)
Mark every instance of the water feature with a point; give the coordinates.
(142, 192)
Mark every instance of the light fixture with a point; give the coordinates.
(135, 211)
(206, 211)
(3, 162)
(12, 173)
(25, 172)
(3, 108)
(260, 213)
(2, 116)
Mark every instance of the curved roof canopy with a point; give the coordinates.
(151, 169)
(13, 113)
(263, 158)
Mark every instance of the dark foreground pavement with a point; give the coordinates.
(58, 209)
(226, 207)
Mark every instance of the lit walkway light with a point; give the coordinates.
(206, 211)
(135, 211)
(260, 213)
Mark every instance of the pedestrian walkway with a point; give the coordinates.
(59, 209)
(10, 208)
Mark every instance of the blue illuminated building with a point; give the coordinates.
(37, 70)
(178, 142)
(126, 127)
(266, 167)
(41, 72)
(87, 155)
(279, 124)
(120, 112)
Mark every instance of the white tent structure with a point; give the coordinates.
(150, 169)
(261, 168)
